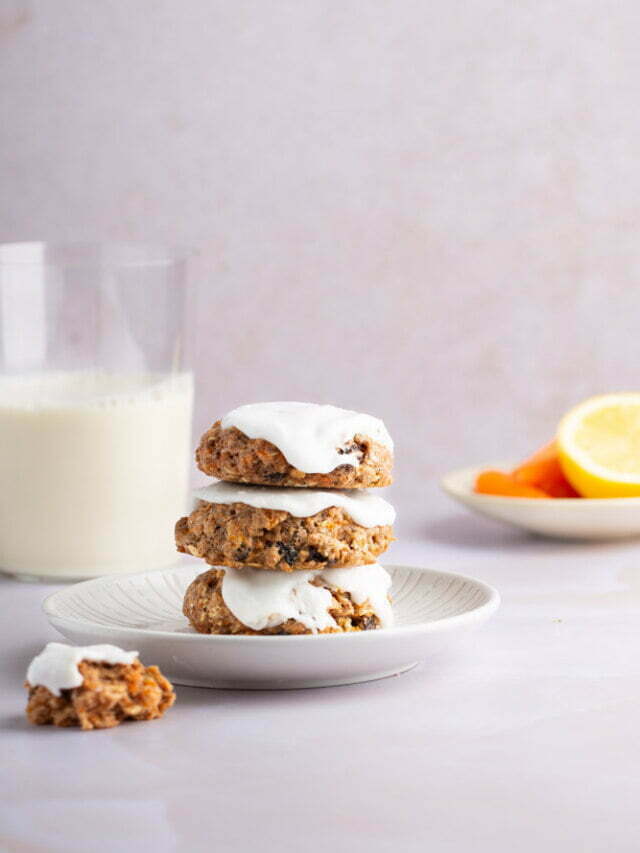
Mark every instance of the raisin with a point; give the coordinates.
(369, 623)
(316, 556)
(348, 448)
(241, 553)
(274, 478)
(288, 553)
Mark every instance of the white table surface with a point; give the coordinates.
(525, 741)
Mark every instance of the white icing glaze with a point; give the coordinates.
(365, 509)
(308, 435)
(365, 582)
(56, 667)
(262, 599)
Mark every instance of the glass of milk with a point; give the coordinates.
(95, 408)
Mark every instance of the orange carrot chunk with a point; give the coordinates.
(500, 483)
(543, 471)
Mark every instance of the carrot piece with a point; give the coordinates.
(500, 483)
(543, 471)
(561, 488)
(541, 456)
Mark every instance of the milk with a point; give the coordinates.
(93, 471)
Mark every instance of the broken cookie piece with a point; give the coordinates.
(94, 687)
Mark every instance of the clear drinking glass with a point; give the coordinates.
(95, 408)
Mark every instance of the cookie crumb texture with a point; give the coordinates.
(207, 612)
(239, 535)
(109, 695)
(231, 455)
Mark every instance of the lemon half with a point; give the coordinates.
(599, 446)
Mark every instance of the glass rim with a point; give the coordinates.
(121, 254)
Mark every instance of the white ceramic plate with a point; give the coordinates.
(143, 611)
(564, 518)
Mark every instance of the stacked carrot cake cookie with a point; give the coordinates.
(289, 526)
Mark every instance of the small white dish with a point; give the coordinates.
(143, 611)
(562, 518)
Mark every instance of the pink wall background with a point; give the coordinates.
(429, 211)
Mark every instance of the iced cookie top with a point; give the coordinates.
(313, 438)
(266, 599)
(56, 667)
(365, 509)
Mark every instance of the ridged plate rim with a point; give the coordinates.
(474, 615)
